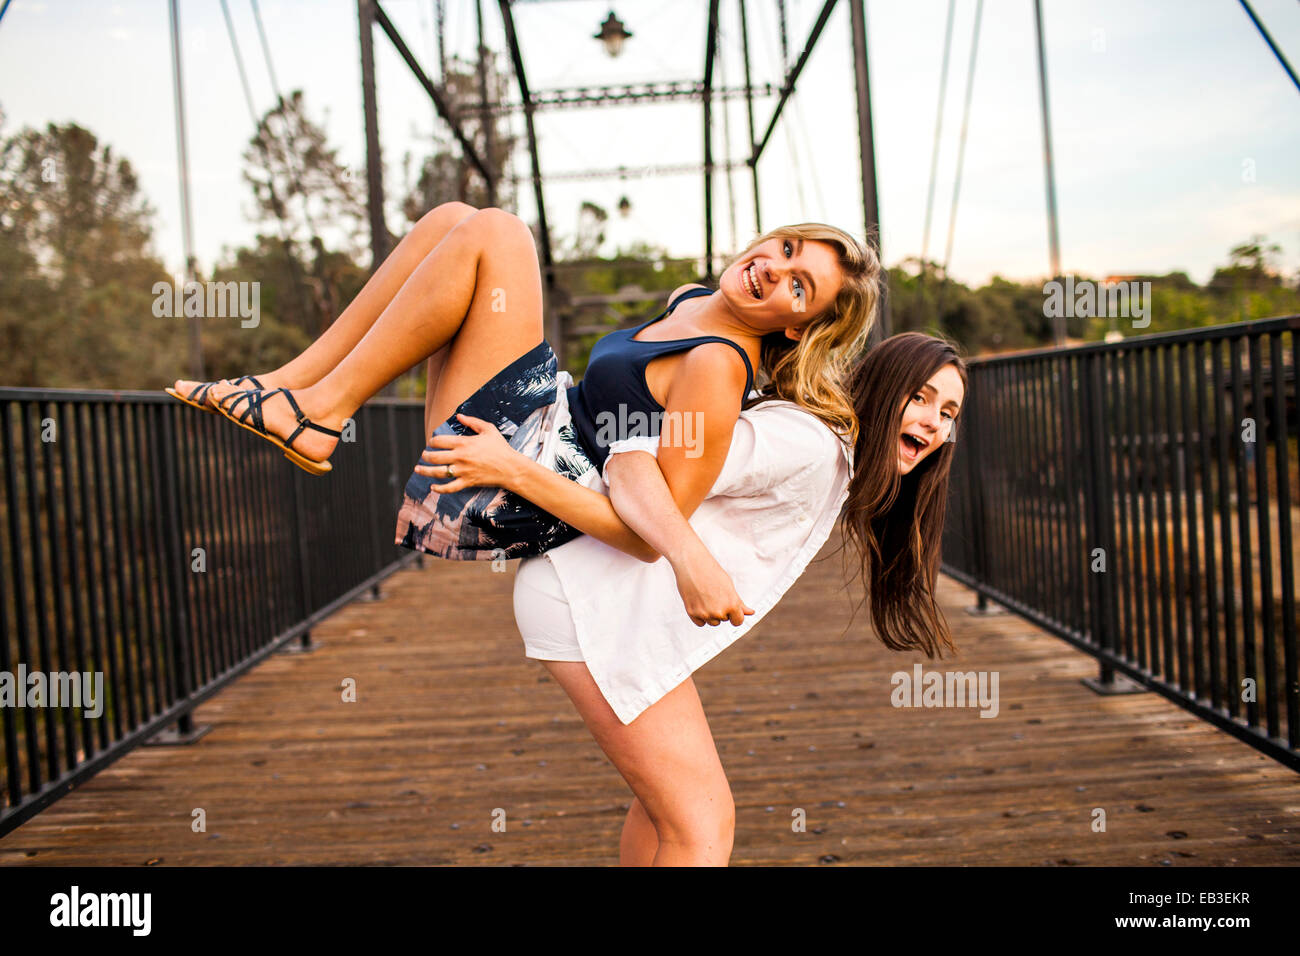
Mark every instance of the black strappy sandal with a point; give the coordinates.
(255, 399)
(198, 397)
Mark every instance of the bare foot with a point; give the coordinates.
(279, 419)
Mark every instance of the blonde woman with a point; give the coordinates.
(463, 291)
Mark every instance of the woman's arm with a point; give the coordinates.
(702, 408)
(700, 413)
(707, 591)
(485, 459)
(589, 511)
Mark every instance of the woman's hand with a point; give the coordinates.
(707, 590)
(482, 459)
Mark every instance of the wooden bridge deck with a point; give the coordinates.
(452, 722)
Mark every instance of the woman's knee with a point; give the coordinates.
(501, 223)
(454, 208)
(446, 215)
(435, 224)
(707, 822)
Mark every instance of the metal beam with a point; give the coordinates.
(439, 103)
(622, 94)
(752, 162)
(790, 80)
(183, 161)
(1281, 58)
(631, 172)
(961, 139)
(1054, 242)
(374, 167)
(553, 333)
(938, 129)
(867, 159)
(710, 47)
(487, 120)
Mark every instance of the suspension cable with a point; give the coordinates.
(290, 157)
(938, 127)
(276, 205)
(961, 146)
(1271, 45)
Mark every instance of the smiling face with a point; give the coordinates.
(928, 416)
(783, 283)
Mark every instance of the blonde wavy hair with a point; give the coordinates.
(815, 371)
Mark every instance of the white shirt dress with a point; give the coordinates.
(774, 504)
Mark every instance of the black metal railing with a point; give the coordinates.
(1136, 499)
(168, 551)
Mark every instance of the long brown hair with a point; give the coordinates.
(812, 370)
(895, 521)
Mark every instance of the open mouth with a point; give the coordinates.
(749, 279)
(912, 446)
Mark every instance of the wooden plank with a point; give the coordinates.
(452, 722)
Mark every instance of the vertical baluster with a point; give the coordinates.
(1243, 536)
(1123, 456)
(994, 436)
(1135, 634)
(77, 594)
(23, 620)
(127, 629)
(29, 422)
(1259, 408)
(212, 605)
(234, 640)
(1176, 430)
(1149, 432)
(146, 433)
(1284, 532)
(57, 523)
(128, 456)
(1224, 435)
(1207, 683)
(1192, 677)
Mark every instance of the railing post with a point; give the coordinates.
(1100, 517)
(174, 559)
(374, 594)
(972, 433)
(371, 485)
(302, 554)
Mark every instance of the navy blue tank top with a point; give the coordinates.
(612, 401)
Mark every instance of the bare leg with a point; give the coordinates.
(640, 841)
(319, 358)
(478, 291)
(668, 758)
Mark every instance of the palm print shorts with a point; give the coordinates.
(528, 402)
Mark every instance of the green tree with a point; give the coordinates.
(306, 196)
(76, 270)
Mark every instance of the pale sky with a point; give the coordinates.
(1176, 133)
